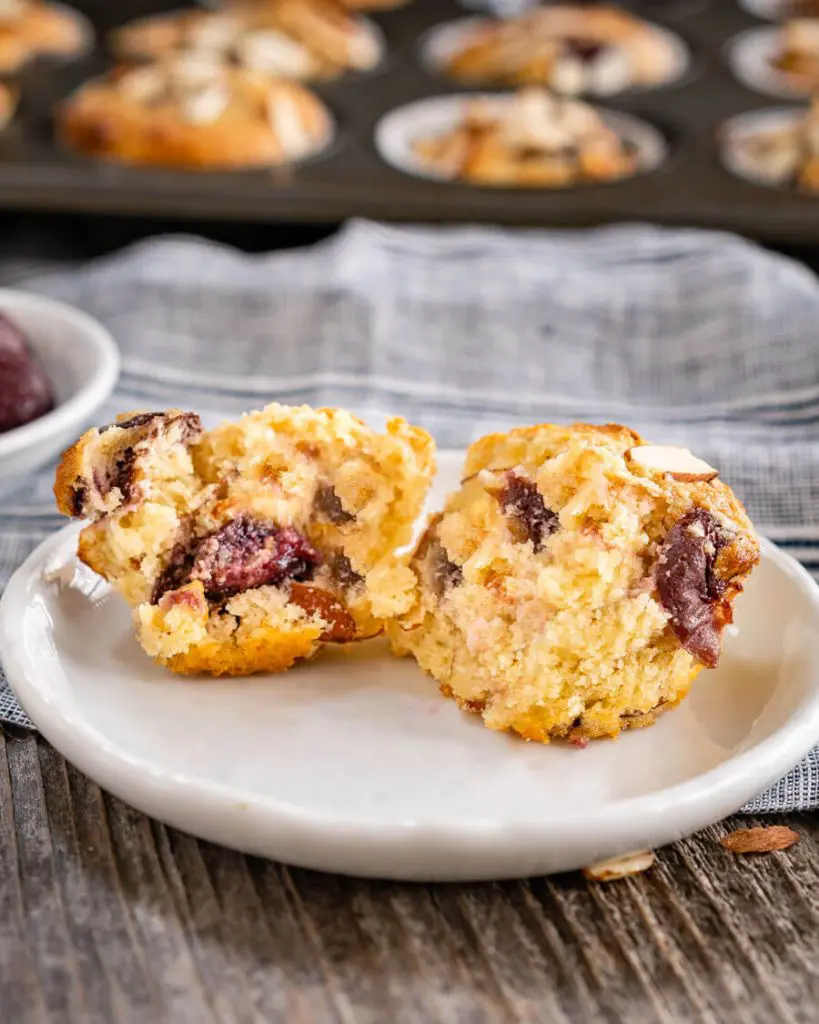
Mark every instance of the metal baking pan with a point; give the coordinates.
(350, 180)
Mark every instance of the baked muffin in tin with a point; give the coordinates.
(193, 113)
(533, 140)
(302, 39)
(35, 28)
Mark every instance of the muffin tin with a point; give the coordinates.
(350, 179)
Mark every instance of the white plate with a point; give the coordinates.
(750, 56)
(396, 132)
(440, 44)
(355, 764)
(740, 129)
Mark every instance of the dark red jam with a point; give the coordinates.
(25, 392)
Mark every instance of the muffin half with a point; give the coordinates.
(577, 582)
(242, 549)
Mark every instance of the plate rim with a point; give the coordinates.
(190, 803)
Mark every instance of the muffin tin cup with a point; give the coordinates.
(770, 10)
(751, 54)
(735, 133)
(441, 43)
(396, 133)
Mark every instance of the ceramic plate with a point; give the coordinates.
(396, 133)
(353, 763)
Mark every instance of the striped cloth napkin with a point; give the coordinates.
(690, 337)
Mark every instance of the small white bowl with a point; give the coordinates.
(82, 363)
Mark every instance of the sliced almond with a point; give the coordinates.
(765, 839)
(196, 69)
(204, 106)
(284, 115)
(143, 85)
(364, 47)
(215, 32)
(620, 867)
(678, 462)
(274, 53)
(315, 601)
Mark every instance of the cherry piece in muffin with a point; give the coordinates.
(244, 548)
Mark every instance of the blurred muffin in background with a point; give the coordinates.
(193, 114)
(301, 39)
(785, 153)
(798, 53)
(29, 29)
(531, 140)
(573, 49)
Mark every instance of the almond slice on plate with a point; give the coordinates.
(678, 462)
(620, 867)
(765, 839)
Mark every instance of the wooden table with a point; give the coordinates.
(107, 916)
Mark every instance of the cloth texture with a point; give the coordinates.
(691, 337)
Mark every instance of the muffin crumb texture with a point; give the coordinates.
(575, 585)
(244, 548)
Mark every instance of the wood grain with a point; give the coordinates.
(107, 916)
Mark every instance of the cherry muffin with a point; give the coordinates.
(244, 548)
(798, 53)
(573, 49)
(302, 39)
(196, 114)
(30, 28)
(786, 154)
(530, 140)
(577, 582)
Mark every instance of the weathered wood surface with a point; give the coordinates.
(107, 916)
